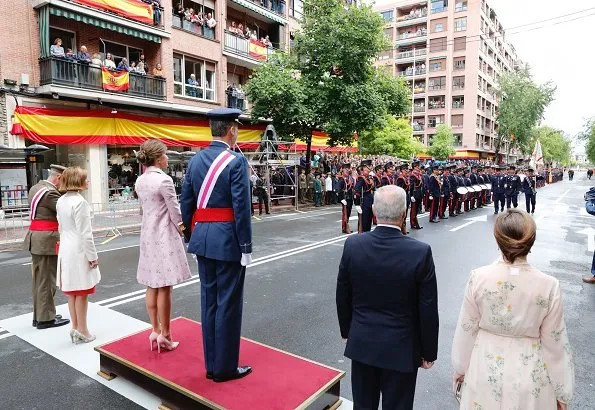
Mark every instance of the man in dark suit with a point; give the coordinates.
(387, 305)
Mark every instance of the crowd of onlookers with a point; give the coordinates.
(240, 31)
(203, 20)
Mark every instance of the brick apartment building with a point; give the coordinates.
(451, 52)
(62, 103)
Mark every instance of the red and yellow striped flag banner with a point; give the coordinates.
(115, 80)
(131, 9)
(257, 49)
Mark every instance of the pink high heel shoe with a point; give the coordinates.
(163, 342)
(153, 339)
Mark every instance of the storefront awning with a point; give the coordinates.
(262, 11)
(105, 126)
(59, 12)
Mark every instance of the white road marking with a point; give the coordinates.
(562, 197)
(590, 232)
(482, 218)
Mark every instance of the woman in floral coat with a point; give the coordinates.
(511, 348)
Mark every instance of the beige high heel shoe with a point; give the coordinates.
(165, 343)
(81, 338)
(153, 339)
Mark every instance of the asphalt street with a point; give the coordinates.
(290, 297)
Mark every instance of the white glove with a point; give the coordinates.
(431, 198)
(246, 259)
(412, 199)
(358, 209)
(344, 202)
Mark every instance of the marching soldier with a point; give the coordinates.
(499, 190)
(474, 181)
(434, 190)
(378, 176)
(416, 186)
(215, 204)
(529, 186)
(445, 197)
(346, 186)
(454, 195)
(364, 197)
(512, 187)
(470, 196)
(403, 182)
(388, 177)
(480, 194)
(425, 177)
(41, 241)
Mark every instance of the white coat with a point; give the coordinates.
(77, 248)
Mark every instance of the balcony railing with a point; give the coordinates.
(439, 10)
(458, 105)
(419, 90)
(458, 86)
(236, 98)
(410, 53)
(418, 33)
(241, 46)
(434, 105)
(419, 109)
(276, 6)
(437, 87)
(193, 28)
(72, 73)
(410, 72)
(418, 127)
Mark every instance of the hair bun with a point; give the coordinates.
(141, 156)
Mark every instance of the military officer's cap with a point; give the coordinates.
(512, 167)
(58, 168)
(346, 166)
(415, 164)
(530, 170)
(379, 167)
(388, 165)
(366, 163)
(225, 114)
(404, 167)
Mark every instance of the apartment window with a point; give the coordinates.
(387, 15)
(435, 120)
(460, 43)
(68, 38)
(194, 78)
(458, 83)
(439, 6)
(460, 5)
(459, 63)
(437, 44)
(437, 83)
(120, 51)
(436, 102)
(458, 101)
(296, 8)
(436, 66)
(388, 32)
(438, 28)
(456, 121)
(461, 24)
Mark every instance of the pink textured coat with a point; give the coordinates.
(162, 255)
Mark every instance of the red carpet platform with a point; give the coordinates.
(279, 380)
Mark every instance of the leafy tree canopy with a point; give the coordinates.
(522, 105)
(394, 138)
(588, 135)
(554, 145)
(442, 143)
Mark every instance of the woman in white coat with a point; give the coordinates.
(78, 271)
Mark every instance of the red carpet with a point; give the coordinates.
(279, 380)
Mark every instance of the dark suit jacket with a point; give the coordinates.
(387, 300)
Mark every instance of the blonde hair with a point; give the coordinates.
(515, 232)
(73, 179)
(150, 151)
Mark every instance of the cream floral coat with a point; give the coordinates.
(511, 341)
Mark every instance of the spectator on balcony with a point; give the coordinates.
(109, 62)
(198, 19)
(156, 11)
(96, 60)
(140, 68)
(158, 71)
(83, 56)
(70, 54)
(267, 42)
(240, 30)
(192, 84)
(233, 29)
(56, 50)
(123, 66)
(210, 21)
(181, 13)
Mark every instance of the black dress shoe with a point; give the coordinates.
(209, 375)
(417, 227)
(52, 323)
(242, 371)
(444, 217)
(35, 321)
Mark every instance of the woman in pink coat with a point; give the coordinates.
(162, 262)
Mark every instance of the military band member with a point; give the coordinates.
(470, 196)
(364, 197)
(474, 195)
(480, 194)
(445, 196)
(499, 191)
(215, 204)
(402, 181)
(461, 182)
(529, 186)
(512, 187)
(346, 187)
(454, 195)
(388, 177)
(416, 187)
(425, 177)
(434, 190)
(41, 242)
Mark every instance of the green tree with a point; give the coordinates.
(329, 82)
(522, 105)
(443, 143)
(554, 145)
(394, 138)
(588, 135)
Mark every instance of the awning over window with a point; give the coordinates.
(56, 11)
(262, 11)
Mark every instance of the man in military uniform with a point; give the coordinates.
(41, 242)
(215, 204)
(499, 190)
(346, 186)
(512, 187)
(402, 181)
(364, 197)
(434, 190)
(310, 186)
(303, 186)
(416, 193)
(388, 177)
(454, 195)
(529, 187)
(470, 196)
(261, 193)
(446, 192)
(474, 181)
(425, 177)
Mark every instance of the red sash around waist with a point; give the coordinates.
(213, 215)
(43, 225)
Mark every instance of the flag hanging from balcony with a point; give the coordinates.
(115, 80)
(131, 9)
(257, 49)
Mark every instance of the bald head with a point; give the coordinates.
(390, 204)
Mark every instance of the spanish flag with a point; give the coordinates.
(114, 80)
(131, 9)
(257, 49)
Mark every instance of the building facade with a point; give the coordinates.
(194, 60)
(451, 53)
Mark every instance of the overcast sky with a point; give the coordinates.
(561, 53)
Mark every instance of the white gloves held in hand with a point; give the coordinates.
(246, 259)
(344, 202)
(358, 209)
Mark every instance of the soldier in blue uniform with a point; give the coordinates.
(434, 189)
(215, 204)
(529, 186)
(346, 185)
(364, 196)
(445, 196)
(512, 187)
(498, 184)
(453, 183)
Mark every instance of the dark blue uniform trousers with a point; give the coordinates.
(499, 202)
(530, 202)
(221, 300)
(514, 199)
(367, 382)
(366, 218)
